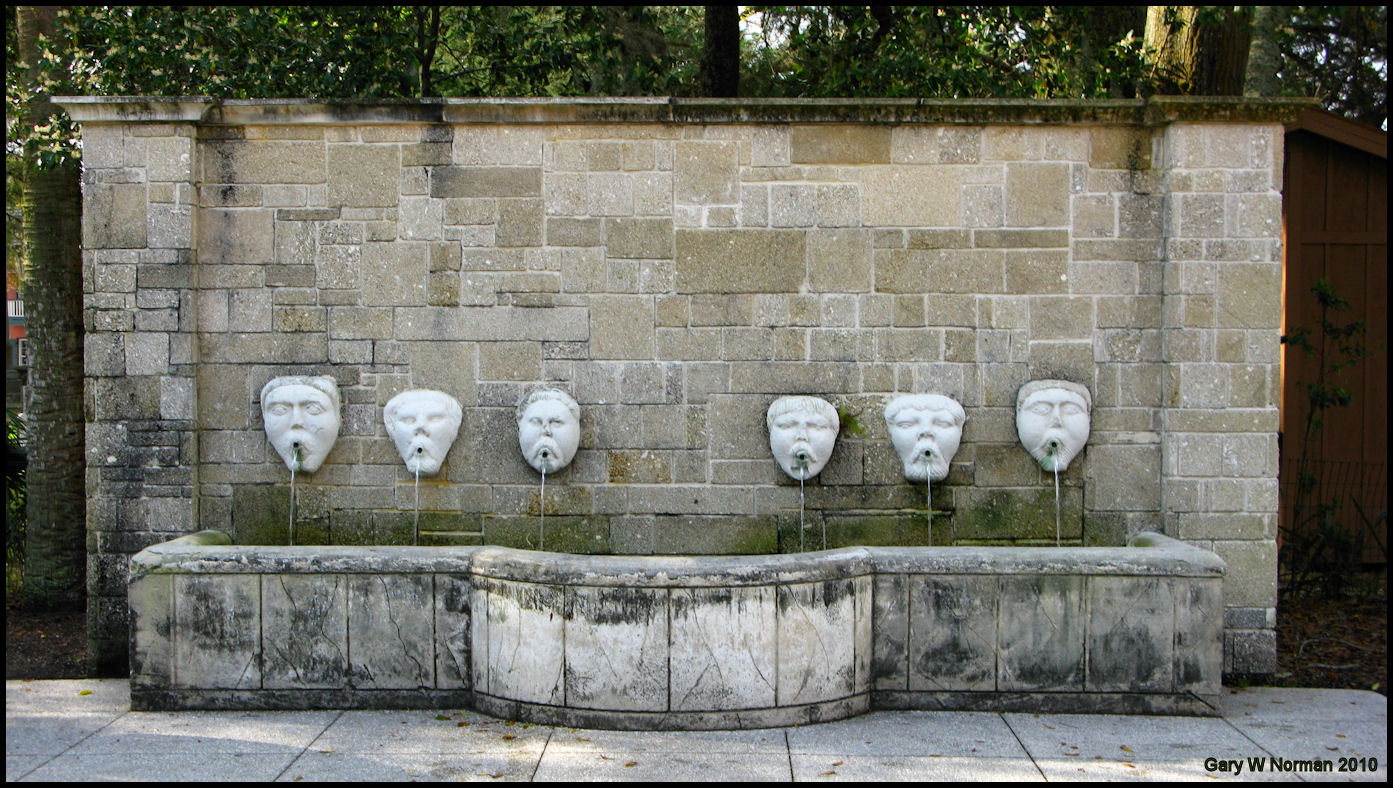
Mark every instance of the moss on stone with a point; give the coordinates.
(1017, 514)
(563, 533)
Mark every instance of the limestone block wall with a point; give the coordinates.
(676, 265)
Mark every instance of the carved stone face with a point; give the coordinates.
(548, 429)
(802, 433)
(301, 415)
(926, 430)
(1052, 420)
(423, 424)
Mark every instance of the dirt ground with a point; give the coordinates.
(1339, 644)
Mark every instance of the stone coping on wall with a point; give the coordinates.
(1156, 110)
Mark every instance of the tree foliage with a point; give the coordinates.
(1338, 54)
(946, 52)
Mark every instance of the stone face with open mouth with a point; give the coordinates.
(423, 424)
(802, 433)
(301, 417)
(926, 430)
(548, 429)
(1052, 421)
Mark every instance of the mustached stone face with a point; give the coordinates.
(548, 434)
(423, 424)
(301, 423)
(926, 430)
(1052, 422)
(802, 433)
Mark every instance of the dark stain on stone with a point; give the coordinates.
(619, 606)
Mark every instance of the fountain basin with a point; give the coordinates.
(675, 642)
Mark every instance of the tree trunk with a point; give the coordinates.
(56, 540)
(1264, 56)
(720, 63)
(1198, 50)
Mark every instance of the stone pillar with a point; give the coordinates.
(138, 280)
(1221, 326)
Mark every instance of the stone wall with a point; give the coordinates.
(676, 265)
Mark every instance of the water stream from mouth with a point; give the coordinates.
(1052, 452)
(929, 500)
(416, 519)
(542, 507)
(291, 525)
(801, 526)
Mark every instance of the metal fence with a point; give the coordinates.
(1356, 493)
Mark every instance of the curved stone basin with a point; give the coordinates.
(658, 642)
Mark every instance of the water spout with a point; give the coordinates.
(416, 519)
(542, 507)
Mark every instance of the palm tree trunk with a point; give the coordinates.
(56, 543)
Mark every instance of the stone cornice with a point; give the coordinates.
(1157, 110)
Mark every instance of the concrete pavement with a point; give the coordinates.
(84, 730)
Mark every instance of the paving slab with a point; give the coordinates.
(327, 766)
(84, 730)
(1302, 730)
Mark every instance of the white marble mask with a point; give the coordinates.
(423, 424)
(926, 430)
(301, 415)
(1052, 420)
(802, 433)
(548, 429)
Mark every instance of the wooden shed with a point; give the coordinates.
(1336, 224)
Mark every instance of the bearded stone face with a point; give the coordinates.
(549, 430)
(926, 430)
(1052, 421)
(423, 424)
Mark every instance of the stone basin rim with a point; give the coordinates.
(211, 552)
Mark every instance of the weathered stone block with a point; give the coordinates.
(1124, 478)
(621, 327)
(723, 647)
(1037, 195)
(486, 181)
(639, 238)
(706, 172)
(911, 196)
(264, 161)
(365, 176)
(740, 261)
(952, 632)
(304, 620)
(816, 641)
(394, 274)
(217, 626)
(617, 648)
(509, 665)
(236, 236)
(453, 642)
(839, 144)
(1041, 636)
(839, 261)
(390, 631)
(1131, 634)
